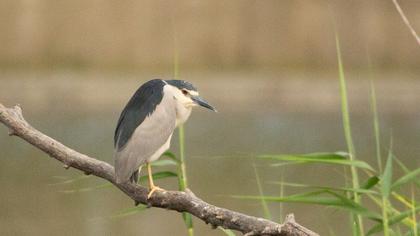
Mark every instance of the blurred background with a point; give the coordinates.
(269, 67)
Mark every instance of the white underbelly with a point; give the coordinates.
(160, 151)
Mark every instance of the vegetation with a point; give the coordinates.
(395, 212)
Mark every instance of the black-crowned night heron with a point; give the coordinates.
(146, 125)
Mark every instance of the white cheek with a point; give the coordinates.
(180, 98)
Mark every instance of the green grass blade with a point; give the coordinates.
(337, 158)
(320, 197)
(182, 179)
(188, 222)
(410, 176)
(309, 198)
(264, 205)
(376, 129)
(347, 133)
(164, 162)
(406, 171)
(386, 182)
(413, 211)
(356, 207)
(182, 167)
(334, 189)
(228, 232)
(393, 220)
(281, 195)
(344, 102)
(158, 175)
(386, 191)
(172, 156)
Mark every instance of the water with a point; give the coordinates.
(256, 116)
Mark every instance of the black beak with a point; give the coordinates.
(203, 103)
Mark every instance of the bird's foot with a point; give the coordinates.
(152, 190)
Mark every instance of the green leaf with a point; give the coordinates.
(321, 197)
(370, 183)
(410, 176)
(393, 220)
(158, 175)
(373, 105)
(187, 220)
(357, 221)
(406, 170)
(336, 158)
(171, 156)
(266, 210)
(387, 177)
(361, 190)
(228, 232)
(164, 162)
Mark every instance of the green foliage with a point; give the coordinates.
(336, 158)
(378, 189)
(158, 175)
(387, 177)
(357, 221)
(394, 214)
(376, 129)
(228, 232)
(264, 205)
(385, 191)
(408, 177)
(393, 220)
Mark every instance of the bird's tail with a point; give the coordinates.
(135, 177)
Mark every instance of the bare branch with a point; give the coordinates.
(173, 200)
(405, 19)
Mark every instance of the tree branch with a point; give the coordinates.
(173, 200)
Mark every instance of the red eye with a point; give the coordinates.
(185, 92)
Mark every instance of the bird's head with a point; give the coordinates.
(186, 94)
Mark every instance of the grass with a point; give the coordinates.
(380, 199)
(357, 220)
(264, 205)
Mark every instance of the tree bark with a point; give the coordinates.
(173, 200)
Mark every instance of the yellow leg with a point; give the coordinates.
(152, 186)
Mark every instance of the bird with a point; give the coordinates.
(146, 124)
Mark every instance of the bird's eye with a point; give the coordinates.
(185, 92)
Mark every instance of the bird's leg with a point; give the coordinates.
(152, 186)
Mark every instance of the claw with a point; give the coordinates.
(152, 190)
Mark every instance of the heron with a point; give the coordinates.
(146, 124)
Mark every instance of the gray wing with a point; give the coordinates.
(146, 140)
(141, 104)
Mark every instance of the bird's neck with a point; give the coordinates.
(181, 109)
(182, 114)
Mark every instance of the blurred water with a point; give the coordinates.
(256, 117)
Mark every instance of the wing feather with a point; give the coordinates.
(145, 140)
(141, 104)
